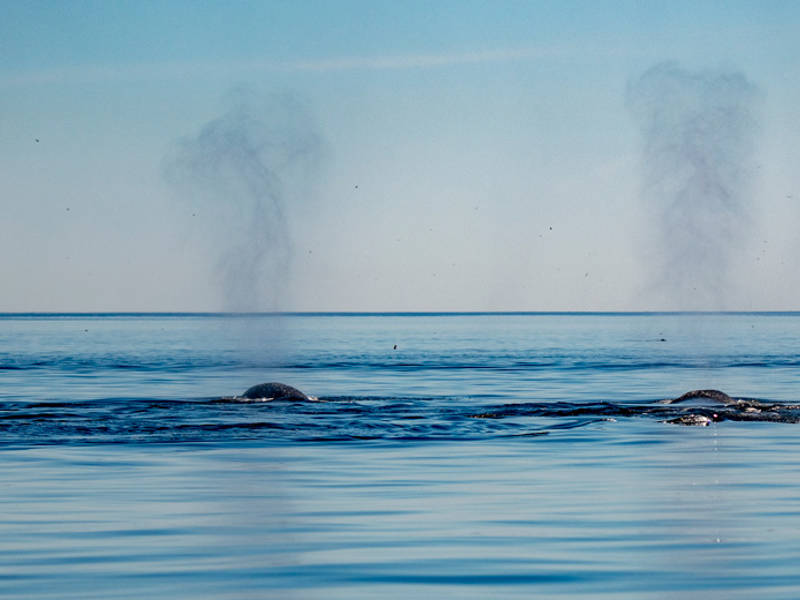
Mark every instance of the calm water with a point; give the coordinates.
(485, 456)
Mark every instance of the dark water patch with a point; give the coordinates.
(125, 420)
(162, 366)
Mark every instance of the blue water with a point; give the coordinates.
(459, 456)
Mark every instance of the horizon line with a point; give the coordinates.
(391, 313)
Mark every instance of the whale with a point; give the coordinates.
(730, 408)
(714, 395)
(748, 404)
(276, 391)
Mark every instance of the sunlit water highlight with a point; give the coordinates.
(487, 456)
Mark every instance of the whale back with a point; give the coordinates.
(714, 395)
(275, 391)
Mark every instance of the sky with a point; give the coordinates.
(399, 156)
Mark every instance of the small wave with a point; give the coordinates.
(565, 364)
(213, 427)
(511, 362)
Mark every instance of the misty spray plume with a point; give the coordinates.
(239, 174)
(698, 130)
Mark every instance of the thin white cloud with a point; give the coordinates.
(419, 61)
(171, 70)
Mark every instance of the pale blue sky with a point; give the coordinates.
(469, 128)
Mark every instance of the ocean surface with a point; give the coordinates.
(447, 456)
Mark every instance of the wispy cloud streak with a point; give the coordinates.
(172, 70)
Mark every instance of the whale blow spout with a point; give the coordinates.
(276, 391)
